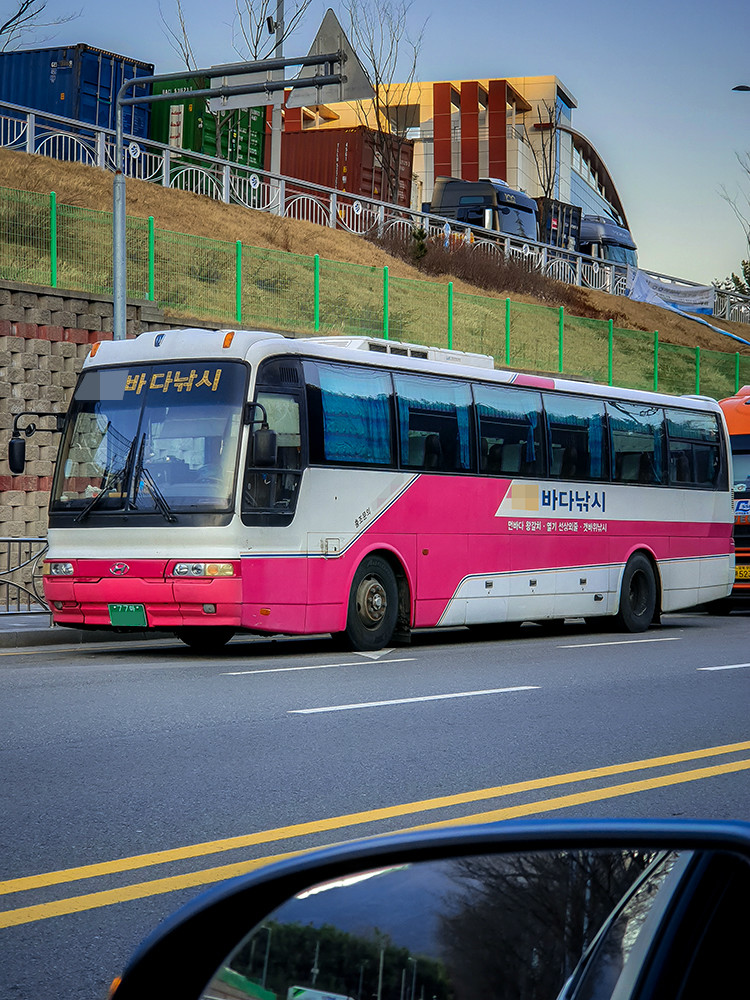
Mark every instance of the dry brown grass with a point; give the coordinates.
(181, 212)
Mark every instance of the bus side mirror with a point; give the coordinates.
(17, 455)
(264, 447)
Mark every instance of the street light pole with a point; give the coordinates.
(276, 120)
(272, 87)
(413, 978)
(265, 960)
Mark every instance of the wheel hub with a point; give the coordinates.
(372, 602)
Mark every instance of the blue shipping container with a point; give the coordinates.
(75, 81)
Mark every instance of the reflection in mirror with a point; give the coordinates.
(503, 927)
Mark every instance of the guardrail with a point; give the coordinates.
(65, 139)
(20, 576)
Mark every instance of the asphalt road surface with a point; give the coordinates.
(135, 775)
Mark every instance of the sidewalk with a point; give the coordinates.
(36, 629)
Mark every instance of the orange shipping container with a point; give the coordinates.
(346, 159)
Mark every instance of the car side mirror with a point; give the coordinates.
(17, 455)
(264, 447)
(545, 909)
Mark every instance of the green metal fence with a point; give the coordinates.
(44, 243)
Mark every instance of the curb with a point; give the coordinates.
(36, 634)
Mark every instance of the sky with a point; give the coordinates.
(653, 81)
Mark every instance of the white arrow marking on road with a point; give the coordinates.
(728, 666)
(620, 642)
(376, 655)
(410, 701)
(314, 666)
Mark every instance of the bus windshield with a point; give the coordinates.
(741, 465)
(152, 438)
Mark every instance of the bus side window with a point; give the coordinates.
(510, 430)
(694, 448)
(435, 423)
(275, 488)
(350, 413)
(577, 436)
(638, 438)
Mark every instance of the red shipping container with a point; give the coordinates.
(346, 159)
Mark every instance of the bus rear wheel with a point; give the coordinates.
(205, 639)
(637, 595)
(373, 605)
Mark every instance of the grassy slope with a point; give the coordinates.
(89, 187)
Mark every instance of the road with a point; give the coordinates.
(135, 774)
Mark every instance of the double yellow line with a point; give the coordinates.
(140, 890)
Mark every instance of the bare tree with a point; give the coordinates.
(741, 208)
(25, 16)
(543, 145)
(523, 921)
(255, 34)
(255, 30)
(178, 36)
(379, 33)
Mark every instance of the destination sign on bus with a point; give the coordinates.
(173, 378)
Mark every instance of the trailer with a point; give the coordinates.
(75, 81)
(237, 135)
(347, 159)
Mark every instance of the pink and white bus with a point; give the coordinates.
(210, 483)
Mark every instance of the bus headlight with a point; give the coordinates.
(58, 569)
(203, 569)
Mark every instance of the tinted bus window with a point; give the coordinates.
(434, 423)
(350, 414)
(694, 448)
(576, 434)
(638, 440)
(510, 431)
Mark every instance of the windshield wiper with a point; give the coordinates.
(142, 473)
(111, 478)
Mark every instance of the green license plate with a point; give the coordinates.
(128, 614)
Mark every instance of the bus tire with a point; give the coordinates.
(205, 639)
(637, 595)
(373, 605)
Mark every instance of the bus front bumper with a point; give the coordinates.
(141, 594)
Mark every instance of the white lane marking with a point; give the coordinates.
(314, 666)
(376, 654)
(411, 701)
(620, 642)
(728, 666)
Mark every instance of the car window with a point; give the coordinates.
(609, 955)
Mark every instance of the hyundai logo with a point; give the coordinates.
(119, 569)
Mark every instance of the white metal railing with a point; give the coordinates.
(64, 139)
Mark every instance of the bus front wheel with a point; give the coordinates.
(208, 639)
(637, 595)
(373, 605)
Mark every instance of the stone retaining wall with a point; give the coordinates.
(45, 335)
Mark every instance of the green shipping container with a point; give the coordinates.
(188, 124)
